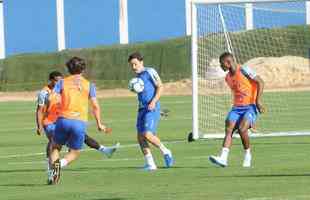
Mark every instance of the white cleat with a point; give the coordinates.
(149, 168)
(109, 151)
(247, 161)
(49, 177)
(218, 161)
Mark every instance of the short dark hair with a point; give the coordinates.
(225, 55)
(54, 74)
(76, 65)
(136, 55)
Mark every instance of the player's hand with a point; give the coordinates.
(261, 109)
(152, 105)
(39, 130)
(105, 129)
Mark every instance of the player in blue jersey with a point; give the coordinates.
(149, 112)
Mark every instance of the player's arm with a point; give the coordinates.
(250, 74)
(96, 110)
(260, 89)
(40, 112)
(159, 88)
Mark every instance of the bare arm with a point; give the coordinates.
(260, 89)
(159, 90)
(39, 119)
(97, 114)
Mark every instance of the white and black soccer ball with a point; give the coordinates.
(136, 85)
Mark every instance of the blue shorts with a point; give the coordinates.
(50, 129)
(238, 113)
(70, 132)
(147, 121)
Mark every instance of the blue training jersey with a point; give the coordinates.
(151, 79)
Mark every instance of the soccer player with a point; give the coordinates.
(247, 89)
(74, 94)
(47, 113)
(149, 112)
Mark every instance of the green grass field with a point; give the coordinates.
(281, 167)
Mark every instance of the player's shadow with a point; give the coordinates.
(20, 170)
(100, 169)
(263, 175)
(108, 199)
(279, 143)
(23, 185)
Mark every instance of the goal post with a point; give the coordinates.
(270, 36)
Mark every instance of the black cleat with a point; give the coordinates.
(56, 172)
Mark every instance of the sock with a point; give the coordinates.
(48, 164)
(102, 148)
(149, 159)
(224, 154)
(163, 149)
(247, 152)
(63, 163)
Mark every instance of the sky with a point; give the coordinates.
(30, 25)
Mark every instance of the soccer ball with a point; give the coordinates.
(136, 85)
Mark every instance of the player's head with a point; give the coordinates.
(226, 61)
(136, 62)
(53, 77)
(76, 65)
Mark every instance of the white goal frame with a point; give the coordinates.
(192, 19)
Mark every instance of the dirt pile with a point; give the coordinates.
(282, 72)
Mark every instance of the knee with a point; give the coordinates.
(140, 138)
(243, 129)
(56, 146)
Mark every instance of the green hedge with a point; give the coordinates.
(107, 66)
(275, 42)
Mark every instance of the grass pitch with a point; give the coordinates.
(281, 168)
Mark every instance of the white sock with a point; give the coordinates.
(224, 154)
(164, 149)
(102, 148)
(149, 159)
(247, 152)
(48, 164)
(63, 163)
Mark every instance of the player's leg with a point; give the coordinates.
(92, 143)
(49, 132)
(54, 173)
(60, 138)
(146, 151)
(248, 120)
(243, 131)
(151, 120)
(230, 124)
(75, 141)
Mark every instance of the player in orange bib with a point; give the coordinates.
(74, 94)
(247, 89)
(47, 112)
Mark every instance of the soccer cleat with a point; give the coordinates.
(55, 172)
(108, 151)
(218, 161)
(49, 177)
(169, 161)
(149, 168)
(247, 161)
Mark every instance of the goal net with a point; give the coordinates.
(273, 38)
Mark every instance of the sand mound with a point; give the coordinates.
(282, 72)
